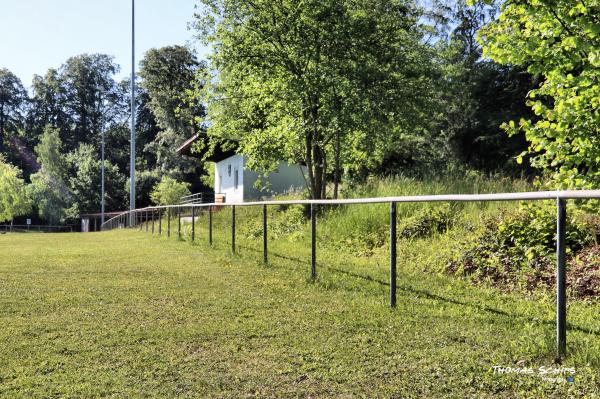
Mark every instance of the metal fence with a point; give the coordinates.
(198, 198)
(30, 228)
(153, 215)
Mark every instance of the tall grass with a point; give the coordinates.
(363, 230)
(370, 223)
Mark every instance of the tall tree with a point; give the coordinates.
(83, 100)
(315, 80)
(168, 75)
(477, 94)
(49, 190)
(47, 107)
(84, 182)
(12, 100)
(92, 97)
(14, 200)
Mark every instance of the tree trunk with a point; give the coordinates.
(336, 171)
(318, 155)
(310, 163)
(324, 171)
(317, 166)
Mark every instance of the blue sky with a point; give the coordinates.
(39, 34)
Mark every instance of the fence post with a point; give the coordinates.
(233, 228)
(561, 299)
(193, 223)
(210, 238)
(393, 254)
(146, 220)
(153, 213)
(168, 222)
(178, 222)
(160, 222)
(313, 241)
(265, 258)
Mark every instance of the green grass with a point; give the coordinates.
(128, 314)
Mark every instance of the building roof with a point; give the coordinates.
(218, 154)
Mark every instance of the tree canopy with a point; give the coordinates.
(14, 200)
(169, 191)
(328, 83)
(348, 88)
(13, 99)
(558, 41)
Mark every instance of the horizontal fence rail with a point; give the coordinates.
(139, 217)
(198, 198)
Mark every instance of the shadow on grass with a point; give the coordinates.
(430, 295)
(417, 291)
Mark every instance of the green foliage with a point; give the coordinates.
(427, 221)
(85, 182)
(146, 180)
(476, 95)
(168, 75)
(14, 199)
(51, 154)
(82, 99)
(169, 191)
(338, 85)
(558, 41)
(13, 97)
(48, 187)
(51, 197)
(364, 229)
(208, 177)
(517, 247)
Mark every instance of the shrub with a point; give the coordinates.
(169, 191)
(288, 221)
(518, 248)
(427, 222)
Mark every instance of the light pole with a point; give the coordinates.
(132, 150)
(102, 183)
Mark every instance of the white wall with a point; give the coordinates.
(225, 171)
(286, 178)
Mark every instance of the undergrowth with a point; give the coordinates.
(507, 245)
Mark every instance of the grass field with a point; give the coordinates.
(128, 314)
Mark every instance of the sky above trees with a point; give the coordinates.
(42, 34)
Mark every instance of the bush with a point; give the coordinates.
(518, 248)
(169, 191)
(287, 221)
(427, 222)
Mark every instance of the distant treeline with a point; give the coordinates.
(53, 131)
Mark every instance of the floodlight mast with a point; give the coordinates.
(102, 183)
(132, 149)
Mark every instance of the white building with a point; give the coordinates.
(238, 184)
